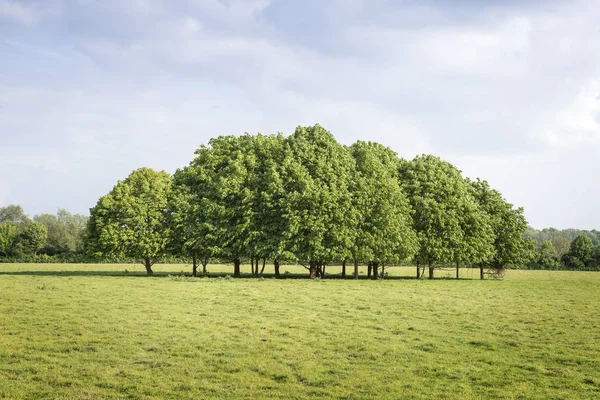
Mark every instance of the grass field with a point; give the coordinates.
(96, 331)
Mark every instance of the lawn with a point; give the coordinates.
(104, 331)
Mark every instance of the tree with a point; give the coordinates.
(596, 260)
(190, 230)
(318, 199)
(443, 208)
(580, 254)
(381, 212)
(561, 244)
(270, 231)
(58, 239)
(130, 221)
(8, 235)
(547, 256)
(510, 248)
(181, 225)
(530, 252)
(13, 213)
(75, 224)
(219, 185)
(478, 236)
(65, 231)
(33, 237)
(220, 181)
(235, 203)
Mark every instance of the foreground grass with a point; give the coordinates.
(99, 332)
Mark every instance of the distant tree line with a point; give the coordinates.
(45, 237)
(569, 249)
(308, 199)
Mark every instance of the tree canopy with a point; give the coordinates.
(131, 220)
(508, 224)
(306, 198)
(383, 223)
(447, 219)
(581, 253)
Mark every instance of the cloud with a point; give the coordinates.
(29, 13)
(578, 123)
(90, 90)
(554, 187)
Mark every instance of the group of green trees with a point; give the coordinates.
(571, 249)
(308, 199)
(46, 234)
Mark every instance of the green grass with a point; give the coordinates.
(95, 331)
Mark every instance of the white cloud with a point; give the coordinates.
(497, 49)
(578, 123)
(29, 13)
(556, 188)
(506, 95)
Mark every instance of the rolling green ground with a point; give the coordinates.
(96, 331)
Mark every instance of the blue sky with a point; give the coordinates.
(507, 91)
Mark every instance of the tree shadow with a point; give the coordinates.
(81, 273)
(166, 274)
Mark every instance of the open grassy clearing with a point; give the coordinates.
(94, 331)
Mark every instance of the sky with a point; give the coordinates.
(508, 91)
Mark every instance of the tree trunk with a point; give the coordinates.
(375, 270)
(382, 271)
(343, 269)
(312, 270)
(369, 269)
(430, 272)
(457, 277)
(204, 263)
(263, 267)
(355, 269)
(148, 266)
(276, 267)
(236, 268)
(252, 266)
(481, 272)
(323, 271)
(418, 271)
(194, 266)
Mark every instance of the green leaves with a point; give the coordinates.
(308, 198)
(449, 224)
(8, 235)
(13, 213)
(382, 217)
(317, 195)
(547, 255)
(65, 231)
(508, 225)
(130, 221)
(33, 237)
(580, 254)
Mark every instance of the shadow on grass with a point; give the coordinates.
(81, 273)
(166, 274)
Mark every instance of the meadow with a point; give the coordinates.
(105, 331)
